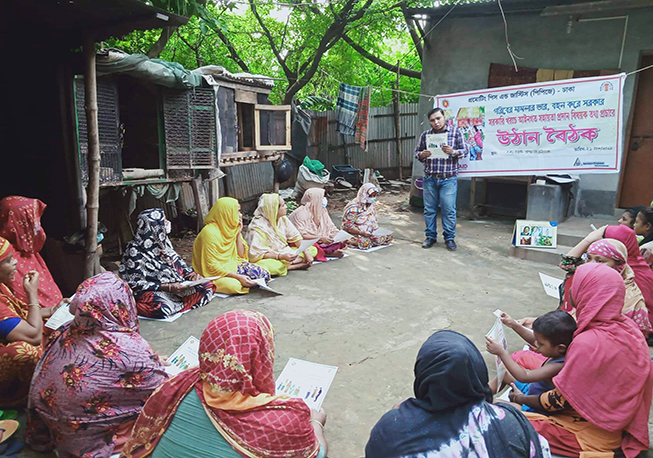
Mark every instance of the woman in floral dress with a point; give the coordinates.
(95, 375)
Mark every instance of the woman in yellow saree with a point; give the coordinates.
(221, 251)
(271, 235)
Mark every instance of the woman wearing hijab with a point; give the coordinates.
(359, 219)
(312, 220)
(602, 396)
(451, 413)
(221, 251)
(155, 272)
(227, 406)
(95, 374)
(21, 330)
(271, 235)
(614, 254)
(20, 223)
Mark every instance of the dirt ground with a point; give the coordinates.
(369, 313)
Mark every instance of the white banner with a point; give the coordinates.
(568, 126)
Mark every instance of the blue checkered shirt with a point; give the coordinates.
(442, 168)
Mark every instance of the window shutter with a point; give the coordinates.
(109, 131)
(189, 120)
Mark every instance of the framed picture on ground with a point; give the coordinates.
(535, 234)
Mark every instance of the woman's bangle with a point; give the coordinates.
(35, 305)
(277, 256)
(318, 422)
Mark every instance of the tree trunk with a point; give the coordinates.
(157, 48)
(93, 190)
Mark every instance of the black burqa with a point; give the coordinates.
(451, 414)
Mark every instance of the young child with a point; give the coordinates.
(551, 335)
(628, 217)
(644, 228)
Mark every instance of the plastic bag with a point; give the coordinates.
(307, 179)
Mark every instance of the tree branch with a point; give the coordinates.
(412, 28)
(380, 62)
(157, 48)
(232, 51)
(273, 46)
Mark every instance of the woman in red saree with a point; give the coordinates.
(602, 396)
(227, 406)
(21, 328)
(20, 223)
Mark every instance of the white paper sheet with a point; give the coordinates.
(505, 396)
(261, 284)
(342, 236)
(551, 285)
(380, 232)
(184, 357)
(369, 250)
(304, 245)
(331, 258)
(497, 334)
(306, 380)
(61, 316)
(434, 143)
(190, 284)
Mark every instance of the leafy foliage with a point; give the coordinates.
(286, 41)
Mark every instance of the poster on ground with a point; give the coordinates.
(556, 127)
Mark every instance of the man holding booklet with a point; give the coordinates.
(439, 149)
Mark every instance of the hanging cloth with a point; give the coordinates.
(363, 117)
(347, 108)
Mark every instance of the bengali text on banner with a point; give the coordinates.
(557, 127)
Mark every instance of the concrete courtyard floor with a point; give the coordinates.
(369, 313)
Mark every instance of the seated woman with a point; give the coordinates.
(20, 223)
(95, 374)
(451, 413)
(154, 271)
(221, 251)
(602, 396)
(271, 235)
(359, 219)
(614, 254)
(227, 406)
(643, 227)
(21, 330)
(312, 220)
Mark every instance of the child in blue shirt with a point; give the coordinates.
(551, 335)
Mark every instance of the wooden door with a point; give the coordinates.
(637, 184)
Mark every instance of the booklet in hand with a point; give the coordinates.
(307, 381)
(190, 284)
(184, 357)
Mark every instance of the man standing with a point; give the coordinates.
(440, 180)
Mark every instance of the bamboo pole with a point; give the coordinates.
(93, 189)
(395, 103)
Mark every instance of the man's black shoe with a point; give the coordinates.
(451, 245)
(428, 243)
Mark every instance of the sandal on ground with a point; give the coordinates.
(7, 429)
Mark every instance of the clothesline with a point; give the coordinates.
(381, 88)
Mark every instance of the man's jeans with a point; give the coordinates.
(442, 192)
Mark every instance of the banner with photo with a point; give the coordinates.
(556, 127)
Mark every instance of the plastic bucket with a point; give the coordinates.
(419, 185)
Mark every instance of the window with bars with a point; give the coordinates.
(109, 131)
(189, 122)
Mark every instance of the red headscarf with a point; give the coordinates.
(5, 249)
(236, 385)
(608, 374)
(643, 273)
(20, 223)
